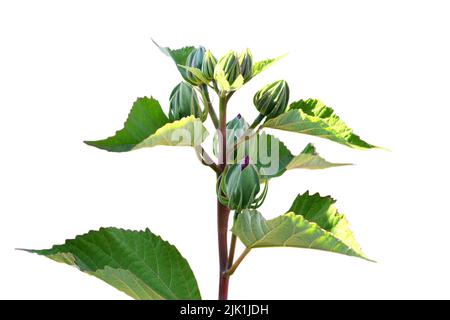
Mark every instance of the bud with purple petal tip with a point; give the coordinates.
(236, 128)
(245, 163)
(239, 186)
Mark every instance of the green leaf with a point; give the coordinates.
(145, 118)
(310, 159)
(260, 66)
(138, 263)
(313, 222)
(221, 79)
(188, 131)
(273, 158)
(148, 126)
(238, 83)
(179, 56)
(314, 118)
(196, 72)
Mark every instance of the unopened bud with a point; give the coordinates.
(272, 99)
(183, 102)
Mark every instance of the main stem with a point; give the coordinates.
(223, 212)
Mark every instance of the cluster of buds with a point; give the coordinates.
(231, 64)
(226, 74)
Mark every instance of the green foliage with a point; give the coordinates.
(148, 126)
(274, 158)
(144, 266)
(146, 116)
(179, 56)
(138, 263)
(260, 66)
(314, 118)
(312, 223)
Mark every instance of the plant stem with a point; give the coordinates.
(222, 224)
(223, 132)
(257, 121)
(211, 110)
(223, 212)
(205, 159)
(232, 251)
(233, 268)
(247, 135)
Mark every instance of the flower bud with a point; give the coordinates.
(246, 64)
(236, 129)
(195, 60)
(208, 65)
(183, 102)
(240, 185)
(272, 99)
(230, 65)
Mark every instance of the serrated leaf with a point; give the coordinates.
(313, 117)
(145, 118)
(137, 263)
(148, 126)
(188, 131)
(260, 66)
(179, 56)
(313, 222)
(310, 159)
(273, 158)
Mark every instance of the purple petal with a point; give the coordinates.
(245, 163)
(239, 116)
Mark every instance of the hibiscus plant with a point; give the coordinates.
(244, 159)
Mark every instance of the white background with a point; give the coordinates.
(70, 71)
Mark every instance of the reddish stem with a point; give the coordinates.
(222, 226)
(223, 212)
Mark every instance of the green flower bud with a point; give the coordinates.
(183, 102)
(209, 63)
(246, 64)
(195, 60)
(236, 129)
(272, 99)
(230, 65)
(239, 186)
